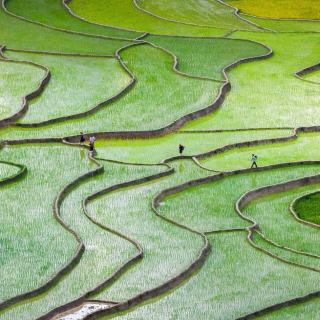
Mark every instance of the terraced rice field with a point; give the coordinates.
(135, 229)
(283, 9)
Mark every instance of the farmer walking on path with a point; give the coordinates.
(181, 148)
(92, 139)
(254, 161)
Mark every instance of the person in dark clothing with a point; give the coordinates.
(82, 138)
(254, 161)
(181, 148)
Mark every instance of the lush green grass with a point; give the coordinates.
(235, 280)
(307, 208)
(207, 57)
(154, 150)
(36, 244)
(76, 84)
(266, 93)
(168, 248)
(159, 97)
(24, 35)
(286, 25)
(53, 13)
(284, 9)
(274, 153)
(130, 17)
(205, 13)
(16, 81)
(104, 252)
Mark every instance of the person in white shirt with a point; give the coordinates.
(254, 161)
(92, 139)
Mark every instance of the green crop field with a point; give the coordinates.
(198, 197)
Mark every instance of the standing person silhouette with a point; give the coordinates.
(82, 138)
(181, 148)
(254, 161)
(92, 139)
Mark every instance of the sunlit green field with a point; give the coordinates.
(16, 82)
(139, 228)
(284, 9)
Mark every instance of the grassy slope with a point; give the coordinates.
(168, 249)
(284, 9)
(207, 57)
(230, 284)
(67, 93)
(268, 154)
(268, 89)
(159, 97)
(16, 81)
(154, 150)
(104, 251)
(36, 243)
(27, 36)
(53, 13)
(308, 208)
(128, 16)
(208, 13)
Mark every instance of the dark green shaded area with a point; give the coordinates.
(308, 208)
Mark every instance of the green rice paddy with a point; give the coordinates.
(24, 35)
(203, 296)
(17, 81)
(52, 13)
(207, 57)
(58, 98)
(284, 9)
(307, 208)
(268, 89)
(137, 227)
(129, 16)
(203, 13)
(286, 25)
(290, 151)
